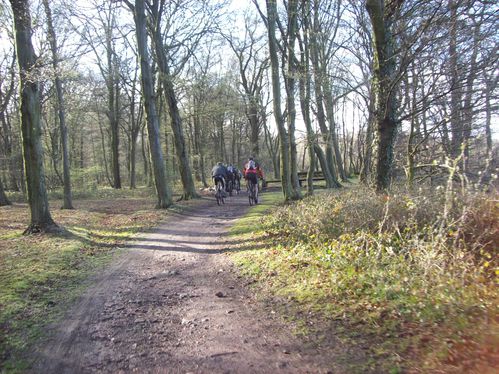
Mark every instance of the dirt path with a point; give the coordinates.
(173, 304)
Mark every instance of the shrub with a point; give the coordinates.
(390, 261)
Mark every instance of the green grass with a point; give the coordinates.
(379, 267)
(41, 275)
(250, 222)
(39, 279)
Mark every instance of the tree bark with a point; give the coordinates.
(456, 123)
(323, 162)
(3, 197)
(158, 164)
(304, 87)
(329, 104)
(287, 187)
(113, 105)
(41, 220)
(135, 127)
(290, 95)
(272, 149)
(68, 196)
(6, 128)
(331, 177)
(176, 119)
(384, 86)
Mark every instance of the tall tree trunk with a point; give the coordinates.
(176, 120)
(144, 153)
(384, 86)
(113, 93)
(305, 81)
(41, 220)
(290, 95)
(490, 84)
(158, 164)
(329, 105)
(366, 167)
(468, 96)
(272, 149)
(255, 127)
(199, 151)
(319, 78)
(133, 162)
(3, 197)
(178, 134)
(456, 90)
(6, 128)
(104, 157)
(136, 119)
(323, 162)
(68, 196)
(287, 187)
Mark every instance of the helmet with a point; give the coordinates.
(219, 163)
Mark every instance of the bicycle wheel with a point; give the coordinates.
(251, 194)
(219, 194)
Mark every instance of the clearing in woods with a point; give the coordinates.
(174, 303)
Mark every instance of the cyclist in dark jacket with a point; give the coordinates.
(219, 173)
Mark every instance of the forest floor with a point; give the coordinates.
(174, 302)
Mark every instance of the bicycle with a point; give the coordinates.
(219, 194)
(237, 186)
(252, 193)
(230, 187)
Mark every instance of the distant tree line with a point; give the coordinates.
(153, 92)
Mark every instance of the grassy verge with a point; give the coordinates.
(251, 222)
(385, 275)
(41, 274)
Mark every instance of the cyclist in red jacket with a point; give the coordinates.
(252, 171)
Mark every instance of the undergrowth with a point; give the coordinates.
(420, 279)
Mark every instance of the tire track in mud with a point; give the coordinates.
(174, 303)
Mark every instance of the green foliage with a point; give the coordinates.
(387, 262)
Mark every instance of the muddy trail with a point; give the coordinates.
(174, 303)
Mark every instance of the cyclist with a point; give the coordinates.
(259, 173)
(231, 175)
(250, 173)
(237, 178)
(219, 173)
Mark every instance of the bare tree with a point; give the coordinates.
(41, 220)
(271, 22)
(252, 66)
(162, 189)
(169, 39)
(61, 110)
(382, 15)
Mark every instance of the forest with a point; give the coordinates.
(375, 121)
